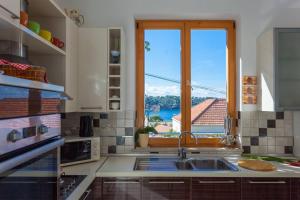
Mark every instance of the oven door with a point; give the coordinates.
(32, 175)
(76, 151)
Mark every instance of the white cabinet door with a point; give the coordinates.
(71, 66)
(92, 73)
(11, 7)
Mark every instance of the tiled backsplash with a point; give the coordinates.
(116, 129)
(267, 132)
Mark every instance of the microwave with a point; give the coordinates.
(78, 150)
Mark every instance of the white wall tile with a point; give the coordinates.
(271, 149)
(271, 132)
(281, 141)
(263, 141)
(246, 141)
(279, 131)
(271, 141)
(279, 149)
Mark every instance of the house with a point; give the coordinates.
(206, 117)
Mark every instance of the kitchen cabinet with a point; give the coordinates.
(88, 193)
(121, 188)
(216, 188)
(96, 189)
(92, 69)
(11, 8)
(295, 190)
(166, 189)
(71, 75)
(266, 188)
(278, 59)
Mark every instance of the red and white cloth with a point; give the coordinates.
(15, 65)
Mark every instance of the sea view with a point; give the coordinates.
(166, 114)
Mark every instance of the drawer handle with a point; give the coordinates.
(217, 182)
(267, 182)
(121, 182)
(87, 194)
(13, 16)
(166, 182)
(88, 108)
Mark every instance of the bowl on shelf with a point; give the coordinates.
(115, 105)
(34, 26)
(115, 53)
(46, 34)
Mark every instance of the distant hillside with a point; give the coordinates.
(169, 102)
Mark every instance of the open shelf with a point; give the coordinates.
(19, 82)
(17, 32)
(45, 8)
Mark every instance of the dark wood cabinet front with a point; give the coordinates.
(216, 188)
(266, 189)
(166, 189)
(121, 189)
(295, 184)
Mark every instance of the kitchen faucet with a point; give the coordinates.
(182, 150)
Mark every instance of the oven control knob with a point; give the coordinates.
(14, 136)
(43, 129)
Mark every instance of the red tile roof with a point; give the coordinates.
(163, 128)
(209, 112)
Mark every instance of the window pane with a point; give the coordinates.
(208, 79)
(162, 80)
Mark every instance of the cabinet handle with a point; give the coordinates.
(13, 15)
(87, 193)
(216, 182)
(88, 108)
(121, 182)
(267, 182)
(166, 182)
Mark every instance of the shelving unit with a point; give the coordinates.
(115, 65)
(42, 52)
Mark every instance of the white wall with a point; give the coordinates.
(104, 13)
(253, 17)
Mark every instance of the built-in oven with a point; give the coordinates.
(30, 157)
(30, 140)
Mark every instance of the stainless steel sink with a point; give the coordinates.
(191, 164)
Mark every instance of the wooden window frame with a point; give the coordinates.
(185, 26)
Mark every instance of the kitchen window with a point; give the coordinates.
(185, 79)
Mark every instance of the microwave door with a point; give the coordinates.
(75, 151)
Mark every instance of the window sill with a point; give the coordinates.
(196, 150)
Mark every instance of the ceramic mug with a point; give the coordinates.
(34, 26)
(23, 18)
(45, 34)
(57, 42)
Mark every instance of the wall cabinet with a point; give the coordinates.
(216, 188)
(266, 188)
(278, 61)
(92, 70)
(166, 189)
(11, 8)
(71, 75)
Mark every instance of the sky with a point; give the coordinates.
(208, 62)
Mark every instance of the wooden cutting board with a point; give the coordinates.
(257, 165)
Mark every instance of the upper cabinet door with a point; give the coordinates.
(92, 72)
(287, 68)
(71, 78)
(11, 7)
